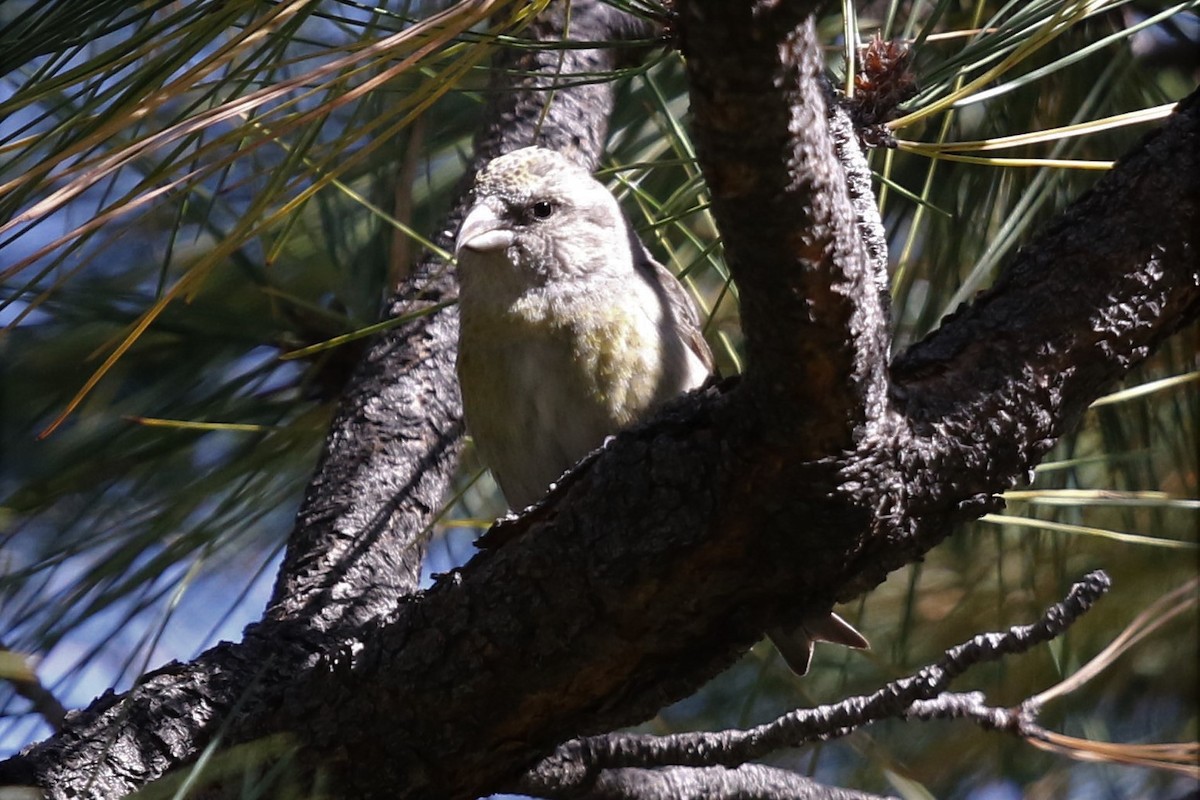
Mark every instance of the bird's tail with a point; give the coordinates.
(795, 644)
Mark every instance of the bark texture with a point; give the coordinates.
(361, 532)
(716, 783)
(584, 615)
(788, 226)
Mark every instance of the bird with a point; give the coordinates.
(569, 331)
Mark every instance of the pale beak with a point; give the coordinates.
(483, 230)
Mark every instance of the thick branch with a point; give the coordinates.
(361, 532)
(588, 617)
(985, 397)
(1082, 302)
(812, 307)
(703, 783)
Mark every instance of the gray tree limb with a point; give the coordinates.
(360, 534)
(747, 782)
(577, 763)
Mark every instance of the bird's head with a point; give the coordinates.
(544, 217)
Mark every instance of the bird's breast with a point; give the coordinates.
(545, 380)
(602, 357)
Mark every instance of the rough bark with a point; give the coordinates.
(360, 534)
(715, 783)
(361, 531)
(585, 616)
(788, 226)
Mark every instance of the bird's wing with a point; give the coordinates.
(676, 297)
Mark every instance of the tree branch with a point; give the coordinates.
(361, 532)
(587, 618)
(576, 763)
(756, 781)
(810, 293)
(983, 398)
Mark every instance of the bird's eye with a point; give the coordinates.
(542, 209)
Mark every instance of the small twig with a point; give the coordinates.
(577, 762)
(1177, 757)
(1151, 619)
(971, 706)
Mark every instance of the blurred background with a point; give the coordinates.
(190, 193)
